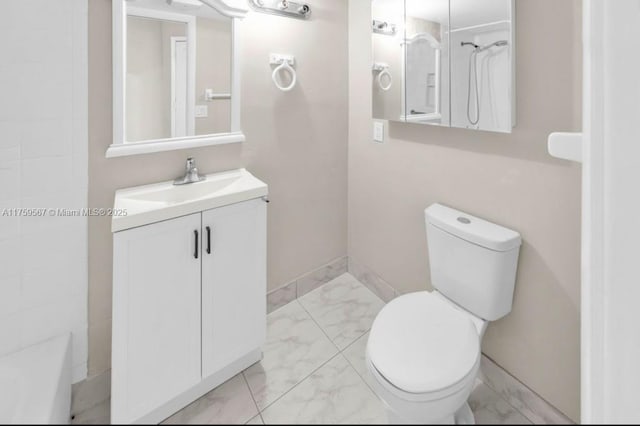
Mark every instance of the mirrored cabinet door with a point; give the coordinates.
(482, 65)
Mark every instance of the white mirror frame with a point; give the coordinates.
(233, 9)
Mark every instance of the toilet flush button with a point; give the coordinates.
(464, 220)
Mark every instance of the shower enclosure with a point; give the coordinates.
(481, 77)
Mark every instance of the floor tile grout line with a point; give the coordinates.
(260, 411)
(355, 340)
(364, 379)
(340, 351)
(319, 326)
(299, 382)
(253, 398)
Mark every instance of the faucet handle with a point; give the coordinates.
(190, 163)
(191, 173)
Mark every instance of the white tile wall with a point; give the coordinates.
(43, 163)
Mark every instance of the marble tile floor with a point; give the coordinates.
(313, 370)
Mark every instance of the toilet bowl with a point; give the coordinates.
(424, 355)
(423, 351)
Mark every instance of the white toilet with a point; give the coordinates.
(424, 348)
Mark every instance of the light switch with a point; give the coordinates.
(378, 131)
(202, 111)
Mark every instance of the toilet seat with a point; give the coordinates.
(417, 398)
(422, 348)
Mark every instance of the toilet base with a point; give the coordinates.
(464, 416)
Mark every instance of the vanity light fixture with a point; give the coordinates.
(383, 27)
(282, 8)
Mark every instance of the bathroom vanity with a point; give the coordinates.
(189, 291)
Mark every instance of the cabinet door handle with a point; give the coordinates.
(195, 253)
(208, 240)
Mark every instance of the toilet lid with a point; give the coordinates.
(421, 344)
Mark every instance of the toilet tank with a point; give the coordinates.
(473, 261)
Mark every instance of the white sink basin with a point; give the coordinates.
(147, 204)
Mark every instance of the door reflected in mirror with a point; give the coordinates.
(178, 72)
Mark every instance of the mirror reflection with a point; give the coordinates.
(481, 65)
(444, 62)
(426, 61)
(388, 59)
(178, 71)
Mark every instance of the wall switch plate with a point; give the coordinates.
(378, 131)
(202, 111)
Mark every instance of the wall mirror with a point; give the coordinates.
(444, 62)
(175, 81)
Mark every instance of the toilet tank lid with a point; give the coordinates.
(472, 229)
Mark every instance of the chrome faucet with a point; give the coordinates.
(190, 174)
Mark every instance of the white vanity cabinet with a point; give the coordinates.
(156, 316)
(189, 307)
(233, 283)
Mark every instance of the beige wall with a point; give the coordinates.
(509, 179)
(296, 142)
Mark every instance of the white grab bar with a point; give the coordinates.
(567, 146)
(284, 64)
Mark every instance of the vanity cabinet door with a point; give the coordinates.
(233, 283)
(156, 351)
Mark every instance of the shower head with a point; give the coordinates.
(498, 43)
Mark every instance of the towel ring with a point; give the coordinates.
(284, 66)
(381, 74)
